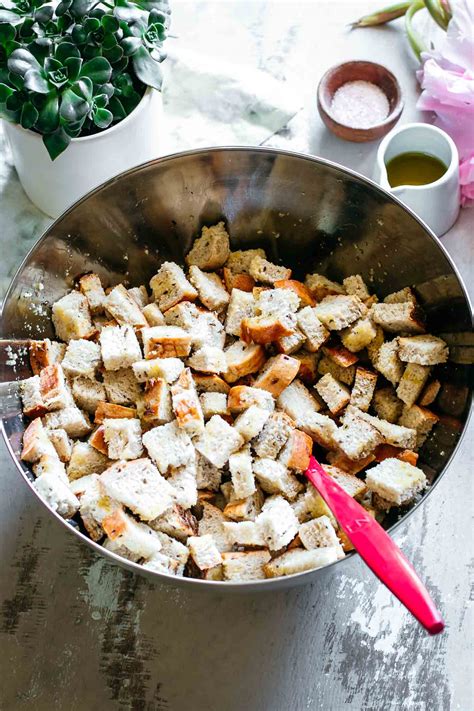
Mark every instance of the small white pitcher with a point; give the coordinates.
(436, 203)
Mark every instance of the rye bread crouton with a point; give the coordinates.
(91, 286)
(356, 286)
(277, 373)
(176, 522)
(87, 393)
(211, 250)
(396, 482)
(401, 297)
(170, 286)
(123, 308)
(397, 435)
(165, 342)
(387, 404)
(312, 328)
(398, 317)
(119, 347)
(266, 272)
(420, 419)
(412, 382)
(358, 335)
(320, 286)
(139, 486)
(388, 363)
(211, 522)
(85, 460)
(299, 560)
(340, 311)
(357, 438)
(71, 317)
(210, 288)
(363, 388)
(430, 393)
(345, 375)
(239, 261)
(218, 441)
(335, 394)
(319, 533)
(273, 436)
(232, 280)
(422, 350)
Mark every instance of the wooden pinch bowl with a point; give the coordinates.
(364, 71)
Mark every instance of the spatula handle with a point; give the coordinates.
(377, 549)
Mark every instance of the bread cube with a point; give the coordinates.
(338, 312)
(184, 315)
(239, 261)
(218, 441)
(167, 369)
(168, 446)
(91, 286)
(207, 475)
(123, 438)
(210, 288)
(211, 250)
(240, 466)
(71, 419)
(173, 548)
(119, 347)
(44, 353)
(392, 434)
(395, 481)
(318, 533)
(387, 405)
(345, 375)
(71, 317)
(396, 317)
(204, 551)
(297, 451)
(266, 329)
(183, 483)
(400, 297)
(81, 358)
(213, 404)
(163, 564)
(277, 374)
(50, 464)
(85, 460)
(388, 363)
(57, 494)
(36, 442)
(61, 443)
(299, 560)
(320, 286)
(240, 567)
(241, 359)
(241, 306)
(186, 405)
(87, 393)
(358, 335)
(32, 400)
(54, 390)
(308, 366)
(212, 523)
(351, 466)
(273, 436)
(210, 384)
(155, 404)
(246, 509)
(153, 315)
(420, 419)
(297, 402)
(351, 484)
(124, 308)
(412, 382)
(241, 397)
(357, 438)
(208, 359)
(305, 298)
(170, 286)
(355, 286)
(335, 394)
(274, 478)
(176, 522)
(166, 342)
(244, 533)
(277, 523)
(423, 350)
(363, 388)
(250, 422)
(137, 538)
(232, 280)
(311, 505)
(292, 343)
(277, 302)
(139, 486)
(267, 273)
(430, 393)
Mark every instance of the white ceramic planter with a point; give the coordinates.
(88, 161)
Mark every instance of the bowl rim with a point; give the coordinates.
(388, 121)
(218, 585)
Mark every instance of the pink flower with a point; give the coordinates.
(447, 82)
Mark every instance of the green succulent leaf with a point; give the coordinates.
(114, 54)
(21, 60)
(110, 23)
(79, 8)
(117, 109)
(5, 92)
(103, 118)
(131, 45)
(147, 69)
(73, 107)
(97, 69)
(66, 50)
(48, 118)
(7, 33)
(29, 115)
(10, 16)
(16, 80)
(73, 65)
(56, 142)
(63, 7)
(44, 14)
(83, 87)
(36, 81)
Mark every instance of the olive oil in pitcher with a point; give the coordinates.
(414, 169)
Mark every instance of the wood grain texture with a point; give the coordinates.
(79, 634)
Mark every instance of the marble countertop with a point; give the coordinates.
(79, 634)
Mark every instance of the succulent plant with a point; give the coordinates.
(78, 67)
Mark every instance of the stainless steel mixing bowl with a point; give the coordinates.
(307, 212)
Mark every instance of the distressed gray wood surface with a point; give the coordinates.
(79, 634)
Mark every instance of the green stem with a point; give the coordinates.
(387, 14)
(416, 41)
(438, 13)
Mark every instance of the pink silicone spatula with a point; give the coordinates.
(377, 549)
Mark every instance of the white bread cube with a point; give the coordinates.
(412, 382)
(31, 398)
(358, 335)
(173, 548)
(211, 250)
(121, 386)
(213, 404)
(62, 443)
(299, 560)
(119, 347)
(244, 533)
(207, 475)
(345, 374)
(165, 342)
(297, 451)
(170, 286)
(292, 343)
(241, 306)
(108, 410)
(153, 315)
(49, 464)
(319, 533)
(242, 359)
(71, 317)
(243, 566)
(85, 460)
(320, 286)
(91, 286)
(167, 369)
(234, 280)
(168, 446)
(304, 295)
(54, 390)
(240, 466)
(276, 302)
(124, 308)
(239, 261)
(210, 384)
(87, 393)
(140, 295)
(139, 486)
(241, 397)
(312, 328)
(204, 551)
(373, 347)
(395, 481)
(388, 363)
(311, 505)
(266, 272)
(423, 350)
(273, 436)
(183, 483)
(123, 438)
(267, 329)
(155, 404)
(185, 315)
(57, 494)
(277, 523)
(44, 353)
(246, 509)
(363, 388)
(335, 394)
(356, 286)
(277, 373)
(387, 405)
(357, 438)
(71, 419)
(95, 505)
(400, 297)
(211, 290)
(176, 522)
(397, 435)
(160, 563)
(274, 478)
(396, 317)
(208, 359)
(137, 538)
(338, 312)
(81, 358)
(212, 523)
(207, 331)
(36, 442)
(420, 419)
(308, 366)
(297, 402)
(186, 405)
(250, 422)
(351, 484)
(218, 441)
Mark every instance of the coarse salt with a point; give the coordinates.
(359, 104)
